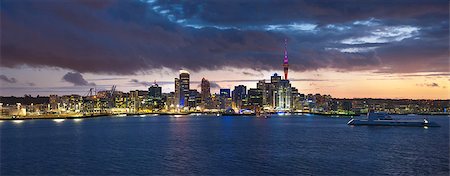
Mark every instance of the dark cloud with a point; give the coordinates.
(244, 13)
(256, 80)
(428, 85)
(76, 79)
(142, 83)
(106, 79)
(214, 85)
(433, 85)
(126, 37)
(252, 74)
(7, 80)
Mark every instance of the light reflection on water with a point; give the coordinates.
(207, 145)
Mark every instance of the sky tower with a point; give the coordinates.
(285, 61)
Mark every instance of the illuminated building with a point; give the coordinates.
(238, 95)
(194, 99)
(177, 92)
(155, 96)
(182, 88)
(138, 98)
(255, 97)
(275, 79)
(267, 93)
(205, 93)
(283, 96)
(54, 100)
(225, 99)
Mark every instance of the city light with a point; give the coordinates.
(77, 120)
(58, 120)
(18, 121)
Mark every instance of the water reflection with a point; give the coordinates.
(58, 120)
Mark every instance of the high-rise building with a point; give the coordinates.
(155, 96)
(177, 92)
(238, 95)
(225, 99)
(168, 100)
(194, 99)
(255, 98)
(225, 93)
(205, 93)
(283, 96)
(275, 79)
(182, 89)
(296, 102)
(266, 93)
(273, 87)
(138, 98)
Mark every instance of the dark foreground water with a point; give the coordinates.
(296, 145)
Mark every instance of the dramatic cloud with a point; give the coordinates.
(76, 79)
(429, 85)
(252, 74)
(7, 80)
(126, 37)
(142, 83)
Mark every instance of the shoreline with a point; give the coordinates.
(191, 113)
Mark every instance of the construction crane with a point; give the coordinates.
(113, 89)
(111, 97)
(92, 93)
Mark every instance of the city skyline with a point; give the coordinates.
(400, 53)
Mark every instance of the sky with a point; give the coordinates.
(345, 48)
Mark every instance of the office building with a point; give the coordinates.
(238, 96)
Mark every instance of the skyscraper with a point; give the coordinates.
(238, 95)
(205, 92)
(182, 88)
(225, 93)
(255, 98)
(283, 96)
(155, 96)
(273, 87)
(177, 92)
(154, 91)
(225, 99)
(275, 79)
(194, 99)
(285, 60)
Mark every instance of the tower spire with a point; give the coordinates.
(285, 60)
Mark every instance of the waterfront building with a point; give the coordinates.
(275, 79)
(267, 93)
(194, 99)
(54, 100)
(296, 102)
(177, 92)
(283, 96)
(238, 96)
(255, 98)
(138, 101)
(225, 99)
(182, 88)
(155, 96)
(215, 101)
(205, 93)
(168, 100)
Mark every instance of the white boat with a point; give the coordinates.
(384, 119)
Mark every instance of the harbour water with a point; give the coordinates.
(210, 145)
